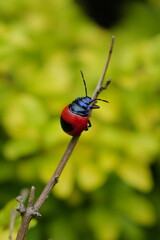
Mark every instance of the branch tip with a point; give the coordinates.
(37, 214)
(107, 83)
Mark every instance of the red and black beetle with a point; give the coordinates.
(75, 116)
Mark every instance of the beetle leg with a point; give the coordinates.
(88, 125)
(95, 107)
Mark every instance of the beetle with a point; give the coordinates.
(75, 116)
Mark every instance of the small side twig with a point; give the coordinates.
(32, 209)
(31, 197)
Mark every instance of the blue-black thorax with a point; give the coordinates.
(81, 106)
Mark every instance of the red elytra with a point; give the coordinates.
(73, 124)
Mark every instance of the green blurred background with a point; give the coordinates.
(109, 190)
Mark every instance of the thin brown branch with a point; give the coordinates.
(32, 210)
(57, 173)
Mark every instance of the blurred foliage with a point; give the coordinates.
(6, 214)
(110, 187)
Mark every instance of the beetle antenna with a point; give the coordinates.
(85, 86)
(99, 99)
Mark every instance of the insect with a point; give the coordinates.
(75, 116)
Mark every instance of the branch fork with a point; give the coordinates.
(32, 210)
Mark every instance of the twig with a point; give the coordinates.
(31, 196)
(32, 210)
(57, 173)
